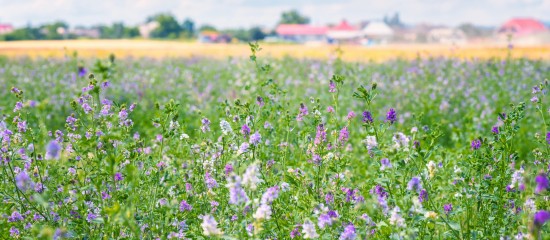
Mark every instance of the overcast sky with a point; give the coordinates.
(246, 13)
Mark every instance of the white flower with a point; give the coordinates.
(371, 142)
(210, 226)
(414, 130)
(309, 231)
(285, 186)
(395, 218)
(530, 205)
(226, 127)
(457, 169)
(184, 136)
(263, 212)
(251, 177)
(517, 178)
(174, 125)
(400, 140)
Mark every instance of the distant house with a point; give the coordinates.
(213, 37)
(85, 32)
(301, 33)
(377, 32)
(519, 27)
(5, 28)
(446, 35)
(146, 29)
(344, 33)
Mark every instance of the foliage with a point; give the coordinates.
(168, 26)
(274, 149)
(293, 17)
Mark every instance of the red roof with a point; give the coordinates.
(343, 26)
(6, 27)
(300, 29)
(520, 26)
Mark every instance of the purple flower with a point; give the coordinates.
(351, 115)
(548, 137)
(295, 233)
(270, 195)
(391, 116)
(495, 130)
(22, 126)
(105, 195)
(541, 217)
(87, 108)
(367, 117)
(329, 198)
(205, 127)
(15, 217)
(344, 135)
(414, 184)
(380, 191)
(228, 169)
(210, 181)
(23, 181)
(237, 194)
(331, 87)
(542, 183)
(91, 217)
(303, 112)
(15, 90)
(260, 101)
(349, 233)
(448, 208)
(184, 206)
(255, 139)
(245, 130)
(118, 176)
(14, 232)
(82, 71)
(476, 144)
(18, 106)
(385, 164)
(321, 135)
(324, 220)
(105, 84)
(423, 196)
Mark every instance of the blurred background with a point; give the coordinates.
(190, 26)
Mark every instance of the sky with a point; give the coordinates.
(266, 13)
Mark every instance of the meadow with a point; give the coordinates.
(274, 148)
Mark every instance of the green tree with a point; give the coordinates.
(256, 33)
(293, 17)
(207, 27)
(55, 31)
(188, 28)
(168, 26)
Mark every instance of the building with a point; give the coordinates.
(301, 33)
(377, 32)
(213, 37)
(446, 35)
(344, 33)
(519, 27)
(85, 32)
(5, 28)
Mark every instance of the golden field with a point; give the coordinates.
(164, 49)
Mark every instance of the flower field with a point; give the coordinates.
(262, 148)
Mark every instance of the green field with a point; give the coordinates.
(274, 148)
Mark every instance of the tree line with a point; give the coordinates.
(168, 28)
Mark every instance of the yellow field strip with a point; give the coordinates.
(164, 49)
